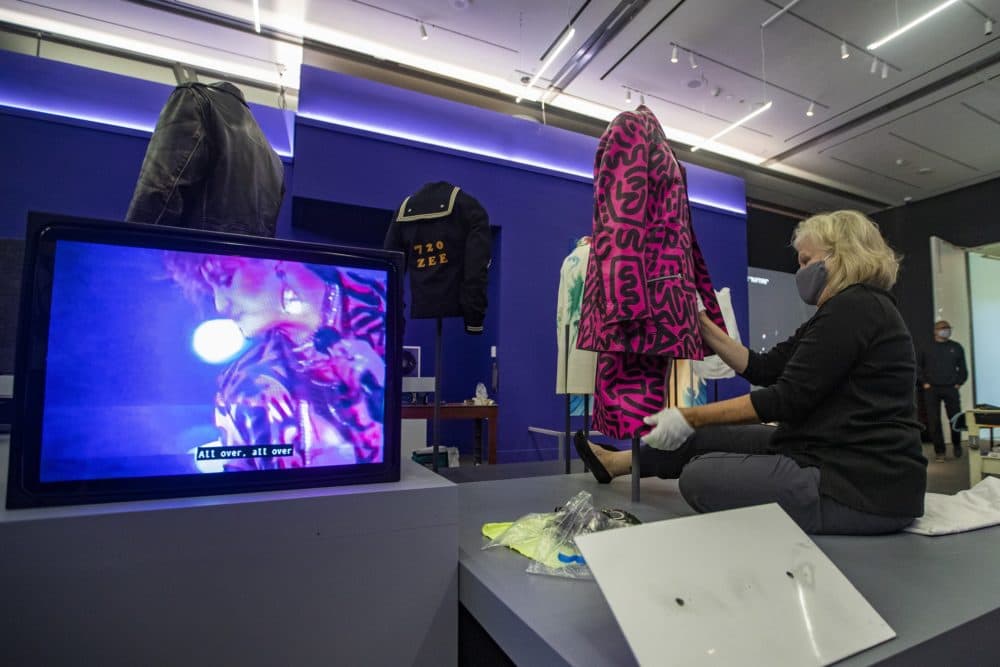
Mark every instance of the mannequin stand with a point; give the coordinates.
(569, 401)
(436, 428)
(635, 468)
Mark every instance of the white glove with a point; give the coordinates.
(670, 429)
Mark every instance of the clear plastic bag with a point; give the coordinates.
(549, 539)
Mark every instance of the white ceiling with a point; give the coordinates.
(886, 139)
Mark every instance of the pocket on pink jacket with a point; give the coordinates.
(673, 301)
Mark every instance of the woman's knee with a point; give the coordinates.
(700, 486)
(715, 482)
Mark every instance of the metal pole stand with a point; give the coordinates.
(635, 468)
(569, 401)
(438, 365)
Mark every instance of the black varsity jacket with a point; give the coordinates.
(445, 235)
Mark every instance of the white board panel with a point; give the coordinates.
(741, 587)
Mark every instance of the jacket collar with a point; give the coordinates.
(221, 86)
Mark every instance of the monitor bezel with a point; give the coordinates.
(24, 485)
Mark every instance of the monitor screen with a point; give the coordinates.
(163, 362)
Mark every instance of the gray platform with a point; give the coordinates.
(362, 575)
(940, 594)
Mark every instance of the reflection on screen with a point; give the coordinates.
(776, 310)
(172, 363)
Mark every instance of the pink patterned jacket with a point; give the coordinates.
(645, 265)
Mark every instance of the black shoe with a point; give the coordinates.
(599, 472)
(958, 451)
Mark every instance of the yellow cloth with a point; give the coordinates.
(530, 531)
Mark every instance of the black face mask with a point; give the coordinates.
(811, 281)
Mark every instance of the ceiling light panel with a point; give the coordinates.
(145, 31)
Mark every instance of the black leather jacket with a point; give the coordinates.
(209, 166)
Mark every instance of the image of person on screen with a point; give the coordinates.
(313, 374)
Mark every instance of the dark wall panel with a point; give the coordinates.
(967, 217)
(769, 240)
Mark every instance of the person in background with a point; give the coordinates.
(942, 372)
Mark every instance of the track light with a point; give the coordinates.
(628, 96)
(256, 15)
(423, 32)
(548, 61)
(912, 24)
(885, 71)
(642, 99)
(811, 111)
(673, 54)
(732, 127)
(694, 63)
(844, 53)
(874, 67)
(988, 27)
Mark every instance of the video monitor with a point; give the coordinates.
(160, 362)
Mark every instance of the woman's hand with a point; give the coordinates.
(670, 429)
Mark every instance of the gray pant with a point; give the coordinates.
(725, 467)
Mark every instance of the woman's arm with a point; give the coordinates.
(733, 411)
(762, 369)
(732, 353)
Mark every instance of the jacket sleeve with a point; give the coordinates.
(922, 366)
(963, 371)
(826, 352)
(177, 159)
(622, 188)
(478, 251)
(703, 281)
(562, 303)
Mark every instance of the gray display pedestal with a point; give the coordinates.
(940, 594)
(359, 575)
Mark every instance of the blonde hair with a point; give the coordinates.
(857, 252)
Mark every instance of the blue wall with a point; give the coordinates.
(75, 168)
(539, 215)
(82, 168)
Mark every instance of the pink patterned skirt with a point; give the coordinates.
(629, 387)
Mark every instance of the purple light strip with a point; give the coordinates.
(708, 203)
(435, 142)
(97, 120)
(430, 142)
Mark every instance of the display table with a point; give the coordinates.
(477, 413)
(351, 575)
(981, 465)
(940, 594)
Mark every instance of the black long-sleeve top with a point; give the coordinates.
(943, 364)
(842, 390)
